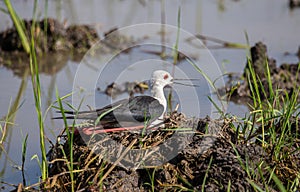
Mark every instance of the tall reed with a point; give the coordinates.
(28, 43)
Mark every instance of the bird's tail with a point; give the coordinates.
(78, 115)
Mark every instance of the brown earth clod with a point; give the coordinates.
(212, 158)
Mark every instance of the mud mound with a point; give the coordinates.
(55, 44)
(284, 78)
(212, 158)
(50, 36)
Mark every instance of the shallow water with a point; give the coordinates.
(269, 21)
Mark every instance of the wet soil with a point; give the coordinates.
(214, 158)
(55, 44)
(294, 4)
(284, 78)
(50, 36)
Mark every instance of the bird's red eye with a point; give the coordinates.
(166, 76)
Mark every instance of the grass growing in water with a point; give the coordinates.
(29, 47)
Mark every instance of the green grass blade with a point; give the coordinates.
(278, 183)
(24, 150)
(210, 82)
(105, 113)
(18, 25)
(175, 55)
(70, 140)
(206, 174)
(38, 101)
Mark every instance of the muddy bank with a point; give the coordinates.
(284, 78)
(214, 157)
(55, 44)
(294, 4)
(50, 36)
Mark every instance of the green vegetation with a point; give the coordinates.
(29, 47)
(272, 124)
(70, 135)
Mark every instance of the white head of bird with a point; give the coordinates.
(159, 80)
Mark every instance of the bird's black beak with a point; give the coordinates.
(175, 81)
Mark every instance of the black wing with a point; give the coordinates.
(140, 108)
(136, 110)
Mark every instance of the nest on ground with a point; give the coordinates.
(188, 153)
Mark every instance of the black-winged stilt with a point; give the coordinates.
(132, 113)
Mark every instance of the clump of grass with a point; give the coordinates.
(70, 136)
(151, 174)
(28, 43)
(273, 123)
(35, 80)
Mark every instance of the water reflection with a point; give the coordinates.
(49, 63)
(7, 126)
